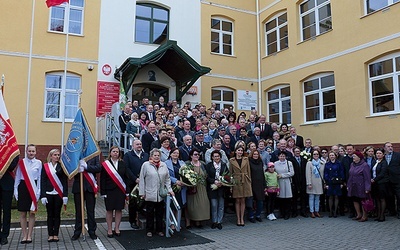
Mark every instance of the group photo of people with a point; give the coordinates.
(214, 162)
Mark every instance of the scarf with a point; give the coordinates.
(135, 123)
(316, 168)
(156, 164)
(217, 167)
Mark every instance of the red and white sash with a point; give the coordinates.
(112, 172)
(30, 183)
(55, 181)
(92, 181)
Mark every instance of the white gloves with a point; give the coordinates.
(65, 200)
(16, 196)
(104, 196)
(83, 164)
(44, 201)
(81, 169)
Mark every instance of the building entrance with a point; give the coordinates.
(150, 91)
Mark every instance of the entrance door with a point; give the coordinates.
(150, 91)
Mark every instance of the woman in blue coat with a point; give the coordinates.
(174, 164)
(334, 177)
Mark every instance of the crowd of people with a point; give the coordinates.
(273, 168)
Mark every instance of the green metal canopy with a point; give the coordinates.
(171, 59)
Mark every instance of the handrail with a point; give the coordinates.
(170, 217)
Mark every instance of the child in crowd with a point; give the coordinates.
(272, 190)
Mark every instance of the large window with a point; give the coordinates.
(151, 24)
(279, 110)
(223, 97)
(319, 98)
(315, 18)
(384, 80)
(72, 12)
(276, 32)
(374, 5)
(53, 96)
(221, 36)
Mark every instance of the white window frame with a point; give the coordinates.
(279, 100)
(277, 30)
(62, 102)
(389, 2)
(316, 16)
(67, 7)
(221, 102)
(395, 75)
(320, 93)
(221, 33)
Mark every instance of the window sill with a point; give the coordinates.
(217, 54)
(390, 115)
(275, 53)
(148, 44)
(58, 121)
(63, 33)
(383, 9)
(316, 123)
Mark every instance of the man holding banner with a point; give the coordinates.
(78, 150)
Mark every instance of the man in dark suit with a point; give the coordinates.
(150, 112)
(6, 195)
(265, 128)
(149, 137)
(134, 160)
(308, 145)
(299, 179)
(282, 148)
(299, 141)
(256, 135)
(185, 149)
(251, 125)
(93, 166)
(393, 168)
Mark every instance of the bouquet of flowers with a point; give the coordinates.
(136, 199)
(226, 179)
(188, 176)
(306, 155)
(176, 188)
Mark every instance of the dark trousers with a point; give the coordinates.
(284, 207)
(53, 208)
(5, 205)
(396, 191)
(304, 202)
(132, 208)
(90, 205)
(271, 199)
(295, 201)
(154, 209)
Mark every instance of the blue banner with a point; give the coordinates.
(80, 145)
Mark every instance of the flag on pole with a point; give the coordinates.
(8, 142)
(122, 95)
(51, 3)
(80, 145)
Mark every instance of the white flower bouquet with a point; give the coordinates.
(188, 176)
(306, 155)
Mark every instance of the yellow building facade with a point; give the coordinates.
(32, 56)
(329, 68)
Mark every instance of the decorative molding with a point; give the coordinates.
(47, 57)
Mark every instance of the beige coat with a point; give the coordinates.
(317, 186)
(149, 183)
(243, 177)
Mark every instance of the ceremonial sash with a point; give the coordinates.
(112, 172)
(55, 181)
(92, 181)
(30, 184)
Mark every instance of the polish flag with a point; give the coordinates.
(8, 143)
(55, 2)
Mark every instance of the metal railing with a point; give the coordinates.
(107, 130)
(170, 216)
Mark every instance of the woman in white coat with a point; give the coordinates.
(285, 171)
(315, 185)
(153, 175)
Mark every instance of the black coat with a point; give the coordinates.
(94, 167)
(147, 139)
(107, 183)
(299, 178)
(257, 179)
(7, 181)
(210, 169)
(382, 175)
(394, 168)
(134, 164)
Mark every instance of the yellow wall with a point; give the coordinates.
(48, 51)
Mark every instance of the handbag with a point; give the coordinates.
(162, 191)
(292, 184)
(368, 204)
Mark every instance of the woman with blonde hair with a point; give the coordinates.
(53, 192)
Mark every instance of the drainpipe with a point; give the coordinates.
(258, 59)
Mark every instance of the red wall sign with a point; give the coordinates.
(107, 95)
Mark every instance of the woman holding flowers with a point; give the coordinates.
(216, 170)
(240, 168)
(197, 200)
(174, 164)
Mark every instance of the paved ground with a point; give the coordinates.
(295, 233)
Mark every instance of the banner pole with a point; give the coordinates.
(82, 209)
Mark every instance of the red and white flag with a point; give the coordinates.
(55, 2)
(8, 143)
